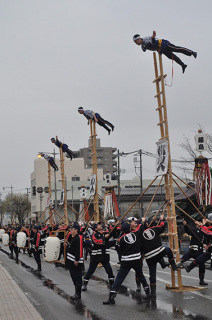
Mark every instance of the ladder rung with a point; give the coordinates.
(166, 137)
(160, 78)
(157, 95)
(160, 123)
(159, 108)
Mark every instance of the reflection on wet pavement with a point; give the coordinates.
(145, 303)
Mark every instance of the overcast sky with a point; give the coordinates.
(56, 55)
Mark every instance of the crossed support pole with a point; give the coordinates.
(171, 213)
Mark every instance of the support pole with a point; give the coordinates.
(50, 193)
(171, 213)
(94, 168)
(163, 123)
(63, 186)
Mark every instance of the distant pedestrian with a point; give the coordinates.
(90, 115)
(163, 47)
(36, 246)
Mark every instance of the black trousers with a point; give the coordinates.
(11, 249)
(93, 265)
(16, 249)
(168, 52)
(37, 257)
(102, 122)
(201, 261)
(76, 275)
(153, 264)
(123, 272)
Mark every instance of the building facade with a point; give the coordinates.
(106, 157)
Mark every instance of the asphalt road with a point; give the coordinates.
(50, 292)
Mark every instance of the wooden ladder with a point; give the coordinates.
(171, 213)
(94, 168)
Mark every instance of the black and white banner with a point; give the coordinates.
(61, 197)
(162, 157)
(92, 184)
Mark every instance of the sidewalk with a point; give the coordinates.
(14, 304)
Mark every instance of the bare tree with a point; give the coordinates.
(17, 205)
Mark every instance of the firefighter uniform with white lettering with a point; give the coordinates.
(195, 248)
(74, 259)
(130, 244)
(154, 251)
(100, 254)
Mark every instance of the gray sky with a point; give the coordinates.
(58, 55)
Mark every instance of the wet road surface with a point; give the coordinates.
(50, 292)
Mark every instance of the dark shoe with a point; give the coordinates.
(147, 291)
(194, 54)
(85, 283)
(111, 298)
(111, 282)
(173, 264)
(201, 280)
(163, 263)
(184, 66)
(178, 265)
(39, 268)
(11, 256)
(189, 267)
(153, 290)
(138, 285)
(77, 295)
(108, 132)
(113, 128)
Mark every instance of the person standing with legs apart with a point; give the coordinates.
(100, 254)
(130, 246)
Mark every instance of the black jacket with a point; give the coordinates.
(74, 251)
(151, 243)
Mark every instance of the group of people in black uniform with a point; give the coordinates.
(134, 240)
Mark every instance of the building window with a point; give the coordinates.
(75, 178)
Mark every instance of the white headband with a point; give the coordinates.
(136, 38)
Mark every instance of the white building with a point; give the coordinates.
(76, 175)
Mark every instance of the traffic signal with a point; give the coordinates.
(34, 191)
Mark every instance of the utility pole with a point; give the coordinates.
(119, 191)
(141, 182)
(27, 196)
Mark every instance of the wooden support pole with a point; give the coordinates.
(133, 205)
(163, 123)
(63, 185)
(94, 167)
(153, 197)
(188, 198)
(184, 182)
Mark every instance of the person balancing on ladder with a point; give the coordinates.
(163, 47)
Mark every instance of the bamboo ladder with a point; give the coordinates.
(94, 168)
(63, 185)
(171, 213)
